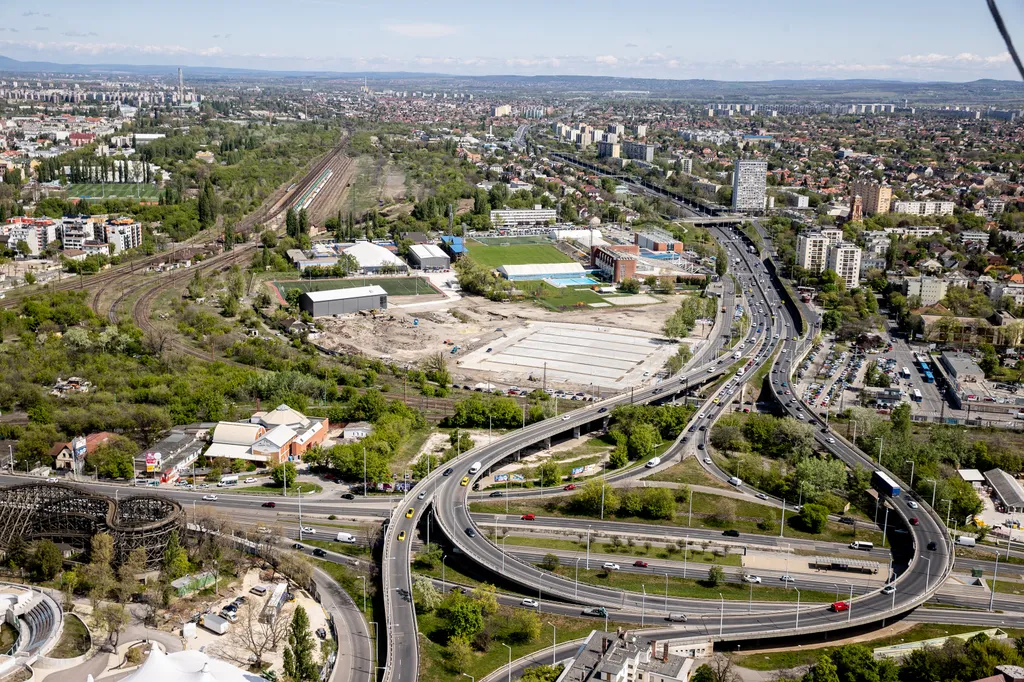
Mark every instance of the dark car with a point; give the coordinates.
(496, 493)
(471, 532)
(848, 520)
(700, 446)
(270, 504)
(732, 533)
(447, 472)
(932, 546)
(319, 552)
(348, 496)
(297, 546)
(321, 633)
(603, 409)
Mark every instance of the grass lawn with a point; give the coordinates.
(74, 640)
(784, 660)
(513, 241)
(554, 297)
(521, 254)
(7, 636)
(121, 191)
(434, 668)
(410, 448)
(689, 588)
(350, 582)
(709, 511)
(689, 471)
(306, 489)
(693, 556)
(339, 547)
(395, 286)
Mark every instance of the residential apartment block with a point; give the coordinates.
(608, 150)
(930, 289)
(923, 207)
(749, 185)
(812, 251)
(638, 150)
(844, 260)
(686, 165)
(876, 197)
(510, 217)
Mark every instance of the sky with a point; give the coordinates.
(739, 40)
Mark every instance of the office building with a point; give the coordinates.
(749, 185)
(923, 207)
(639, 151)
(844, 260)
(930, 289)
(510, 217)
(608, 150)
(812, 251)
(876, 198)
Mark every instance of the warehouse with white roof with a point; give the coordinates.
(343, 301)
(429, 257)
(542, 271)
(373, 258)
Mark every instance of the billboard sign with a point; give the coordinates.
(500, 478)
(153, 460)
(517, 477)
(578, 470)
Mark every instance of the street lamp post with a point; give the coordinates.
(686, 548)
(554, 642)
(935, 486)
(849, 611)
(363, 578)
(509, 660)
(797, 607)
(503, 553)
(588, 548)
(443, 557)
(885, 527)
(992, 593)
(912, 463)
(643, 604)
(782, 523)
(578, 576)
(928, 574)
(721, 616)
(470, 676)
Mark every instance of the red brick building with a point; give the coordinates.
(616, 261)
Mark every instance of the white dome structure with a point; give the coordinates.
(188, 666)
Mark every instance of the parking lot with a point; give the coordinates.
(577, 354)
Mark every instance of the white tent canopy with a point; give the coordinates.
(188, 666)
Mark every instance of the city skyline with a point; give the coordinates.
(916, 41)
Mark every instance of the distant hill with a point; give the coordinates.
(790, 90)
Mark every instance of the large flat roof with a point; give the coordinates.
(427, 251)
(542, 269)
(1006, 487)
(343, 294)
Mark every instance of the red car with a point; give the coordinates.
(840, 606)
(571, 486)
(914, 521)
(527, 517)
(270, 504)
(640, 564)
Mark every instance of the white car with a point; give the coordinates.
(787, 579)
(761, 496)
(610, 566)
(421, 495)
(530, 603)
(831, 440)
(700, 415)
(250, 480)
(707, 460)
(209, 498)
(888, 589)
(912, 504)
(752, 578)
(566, 418)
(307, 529)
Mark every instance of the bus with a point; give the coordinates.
(905, 372)
(916, 396)
(929, 378)
(925, 369)
(229, 480)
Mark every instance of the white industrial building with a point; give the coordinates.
(343, 301)
(429, 257)
(749, 185)
(510, 217)
(542, 271)
(373, 258)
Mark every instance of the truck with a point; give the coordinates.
(346, 538)
(884, 485)
(214, 623)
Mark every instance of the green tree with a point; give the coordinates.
(547, 473)
(462, 616)
(642, 441)
(587, 500)
(541, 673)
(703, 673)
(630, 285)
(299, 655)
(303, 222)
(549, 562)
(284, 474)
(458, 654)
(522, 627)
(291, 221)
(823, 671)
(425, 595)
(716, 576)
(47, 560)
(721, 262)
(814, 517)
(900, 418)
(175, 560)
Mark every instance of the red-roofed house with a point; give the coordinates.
(80, 139)
(71, 455)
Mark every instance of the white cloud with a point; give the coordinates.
(96, 49)
(607, 60)
(423, 30)
(963, 59)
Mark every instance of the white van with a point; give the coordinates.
(677, 617)
(477, 466)
(965, 541)
(653, 462)
(346, 537)
(862, 544)
(735, 481)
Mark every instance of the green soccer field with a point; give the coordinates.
(403, 286)
(94, 191)
(520, 254)
(513, 241)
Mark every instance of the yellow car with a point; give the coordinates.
(401, 536)
(465, 481)
(409, 513)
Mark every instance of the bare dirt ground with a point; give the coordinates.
(394, 184)
(469, 323)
